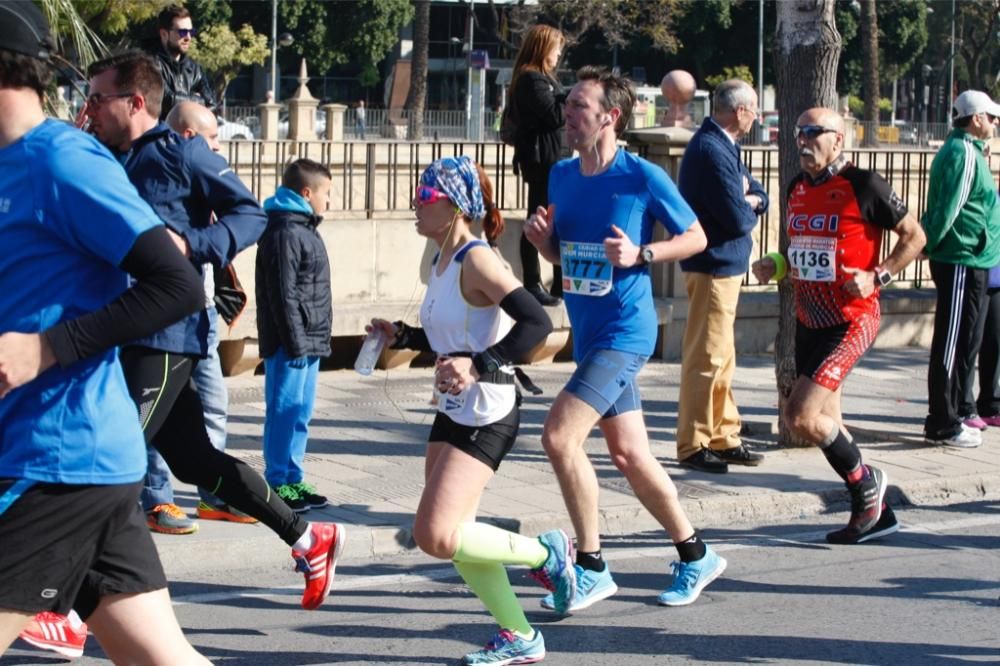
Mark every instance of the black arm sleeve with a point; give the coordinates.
(531, 325)
(410, 337)
(167, 288)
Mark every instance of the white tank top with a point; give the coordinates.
(453, 325)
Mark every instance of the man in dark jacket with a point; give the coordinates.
(727, 200)
(183, 78)
(186, 183)
(294, 320)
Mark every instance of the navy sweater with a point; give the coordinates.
(711, 181)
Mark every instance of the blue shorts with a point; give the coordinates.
(606, 380)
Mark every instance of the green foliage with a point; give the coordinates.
(902, 38)
(209, 12)
(738, 72)
(222, 52)
(857, 106)
(114, 17)
(617, 22)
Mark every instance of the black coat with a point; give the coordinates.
(294, 303)
(538, 107)
(183, 80)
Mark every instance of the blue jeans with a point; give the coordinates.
(290, 392)
(207, 376)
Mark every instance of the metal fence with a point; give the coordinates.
(378, 178)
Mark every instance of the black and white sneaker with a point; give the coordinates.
(867, 500)
(309, 495)
(887, 524)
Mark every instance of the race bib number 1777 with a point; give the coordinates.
(586, 269)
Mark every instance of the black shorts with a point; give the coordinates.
(66, 546)
(827, 355)
(488, 444)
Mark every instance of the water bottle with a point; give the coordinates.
(371, 349)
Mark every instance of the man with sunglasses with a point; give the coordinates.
(963, 242)
(836, 217)
(183, 78)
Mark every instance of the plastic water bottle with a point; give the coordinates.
(371, 349)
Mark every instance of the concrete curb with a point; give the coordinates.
(242, 547)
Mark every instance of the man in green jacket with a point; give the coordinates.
(962, 224)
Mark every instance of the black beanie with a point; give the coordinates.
(23, 29)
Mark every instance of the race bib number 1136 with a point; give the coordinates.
(813, 258)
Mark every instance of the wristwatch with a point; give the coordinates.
(882, 277)
(646, 254)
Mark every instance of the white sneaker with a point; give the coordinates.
(966, 438)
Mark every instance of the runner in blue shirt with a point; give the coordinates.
(599, 227)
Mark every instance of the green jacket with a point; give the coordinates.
(962, 220)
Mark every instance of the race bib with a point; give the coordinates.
(448, 403)
(813, 258)
(586, 269)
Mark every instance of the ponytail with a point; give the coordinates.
(493, 222)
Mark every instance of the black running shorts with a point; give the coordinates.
(489, 443)
(827, 355)
(66, 546)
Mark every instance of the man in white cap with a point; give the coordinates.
(962, 224)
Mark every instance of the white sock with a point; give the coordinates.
(305, 541)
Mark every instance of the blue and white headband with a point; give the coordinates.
(458, 178)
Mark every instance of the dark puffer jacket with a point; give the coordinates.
(538, 107)
(294, 303)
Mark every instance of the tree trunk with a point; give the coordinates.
(869, 49)
(806, 55)
(416, 96)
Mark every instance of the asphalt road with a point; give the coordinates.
(928, 595)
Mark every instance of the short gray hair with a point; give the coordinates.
(730, 95)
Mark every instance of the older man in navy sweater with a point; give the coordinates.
(727, 200)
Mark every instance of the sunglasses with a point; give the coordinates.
(96, 99)
(810, 132)
(184, 33)
(426, 195)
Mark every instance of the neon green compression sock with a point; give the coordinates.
(489, 582)
(482, 543)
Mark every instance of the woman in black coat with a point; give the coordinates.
(537, 100)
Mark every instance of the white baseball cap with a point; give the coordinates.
(972, 102)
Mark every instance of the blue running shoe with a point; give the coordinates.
(557, 573)
(591, 587)
(690, 578)
(509, 648)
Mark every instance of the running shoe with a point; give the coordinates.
(966, 438)
(690, 578)
(308, 493)
(591, 587)
(867, 500)
(170, 519)
(224, 512)
(509, 648)
(974, 421)
(887, 524)
(292, 497)
(557, 573)
(319, 563)
(55, 632)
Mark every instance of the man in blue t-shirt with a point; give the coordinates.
(599, 228)
(71, 451)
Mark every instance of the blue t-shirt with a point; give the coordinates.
(68, 216)
(611, 308)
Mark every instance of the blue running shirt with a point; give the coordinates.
(611, 308)
(68, 216)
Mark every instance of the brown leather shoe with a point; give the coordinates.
(706, 461)
(740, 455)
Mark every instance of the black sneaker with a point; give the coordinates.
(706, 461)
(292, 497)
(308, 493)
(542, 296)
(887, 524)
(740, 455)
(867, 500)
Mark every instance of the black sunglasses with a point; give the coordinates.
(184, 32)
(811, 131)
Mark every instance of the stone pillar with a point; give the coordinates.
(269, 120)
(302, 110)
(334, 121)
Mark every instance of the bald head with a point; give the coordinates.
(191, 119)
(678, 84)
(820, 139)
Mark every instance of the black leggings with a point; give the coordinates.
(173, 422)
(531, 270)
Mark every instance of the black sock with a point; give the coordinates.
(691, 549)
(592, 561)
(842, 454)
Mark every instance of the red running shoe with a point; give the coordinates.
(52, 631)
(320, 562)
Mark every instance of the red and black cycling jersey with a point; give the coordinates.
(836, 221)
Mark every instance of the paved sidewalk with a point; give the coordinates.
(368, 434)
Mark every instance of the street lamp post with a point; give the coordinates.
(286, 39)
